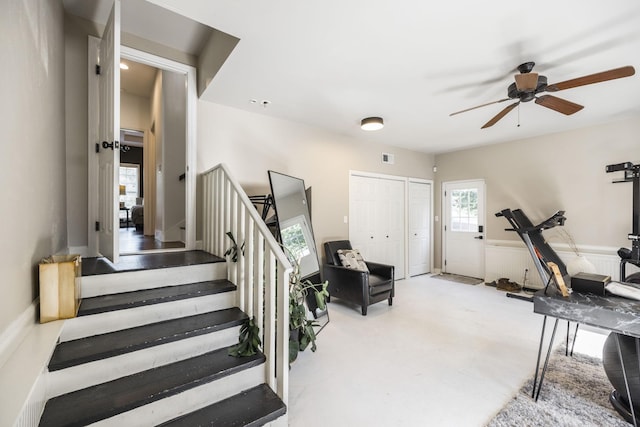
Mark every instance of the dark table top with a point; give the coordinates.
(610, 312)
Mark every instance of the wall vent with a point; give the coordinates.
(387, 158)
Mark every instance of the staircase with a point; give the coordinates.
(149, 347)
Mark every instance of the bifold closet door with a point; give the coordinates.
(419, 228)
(377, 220)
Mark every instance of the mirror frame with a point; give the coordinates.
(307, 217)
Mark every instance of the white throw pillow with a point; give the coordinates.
(351, 258)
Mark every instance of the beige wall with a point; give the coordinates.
(564, 171)
(250, 144)
(135, 111)
(76, 81)
(32, 164)
(173, 160)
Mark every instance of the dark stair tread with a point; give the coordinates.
(254, 407)
(144, 297)
(108, 399)
(96, 347)
(101, 265)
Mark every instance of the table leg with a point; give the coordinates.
(535, 393)
(535, 375)
(575, 335)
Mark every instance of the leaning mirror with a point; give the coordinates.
(294, 222)
(294, 228)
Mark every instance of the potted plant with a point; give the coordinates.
(301, 332)
(301, 323)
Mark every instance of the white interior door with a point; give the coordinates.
(108, 133)
(463, 228)
(419, 228)
(392, 238)
(376, 226)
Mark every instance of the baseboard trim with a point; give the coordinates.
(83, 251)
(26, 349)
(11, 337)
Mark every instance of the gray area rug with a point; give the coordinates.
(458, 278)
(575, 393)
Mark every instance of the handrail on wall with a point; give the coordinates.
(261, 274)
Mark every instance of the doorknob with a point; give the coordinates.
(479, 237)
(112, 145)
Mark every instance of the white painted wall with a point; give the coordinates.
(33, 190)
(174, 102)
(157, 120)
(252, 143)
(564, 171)
(135, 111)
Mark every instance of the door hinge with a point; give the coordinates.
(445, 262)
(445, 228)
(97, 69)
(97, 225)
(97, 147)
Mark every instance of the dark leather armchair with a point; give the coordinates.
(356, 286)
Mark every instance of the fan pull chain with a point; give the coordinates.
(518, 114)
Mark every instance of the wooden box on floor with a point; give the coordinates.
(59, 287)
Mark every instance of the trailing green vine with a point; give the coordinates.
(301, 332)
(249, 340)
(232, 252)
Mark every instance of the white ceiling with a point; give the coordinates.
(138, 79)
(331, 63)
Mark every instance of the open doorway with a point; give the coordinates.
(152, 169)
(132, 221)
(164, 125)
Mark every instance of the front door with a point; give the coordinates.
(108, 135)
(463, 228)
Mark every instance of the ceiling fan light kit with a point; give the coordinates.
(372, 123)
(528, 85)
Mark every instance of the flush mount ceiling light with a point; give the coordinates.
(372, 123)
(124, 66)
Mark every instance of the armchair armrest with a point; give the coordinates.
(383, 270)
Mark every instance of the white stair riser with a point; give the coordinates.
(95, 324)
(282, 421)
(105, 284)
(189, 400)
(92, 373)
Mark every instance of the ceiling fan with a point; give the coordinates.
(528, 86)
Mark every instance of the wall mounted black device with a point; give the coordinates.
(631, 256)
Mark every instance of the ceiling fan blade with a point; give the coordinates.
(558, 104)
(479, 106)
(616, 73)
(500, 115)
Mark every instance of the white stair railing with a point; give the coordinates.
(261, 274)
